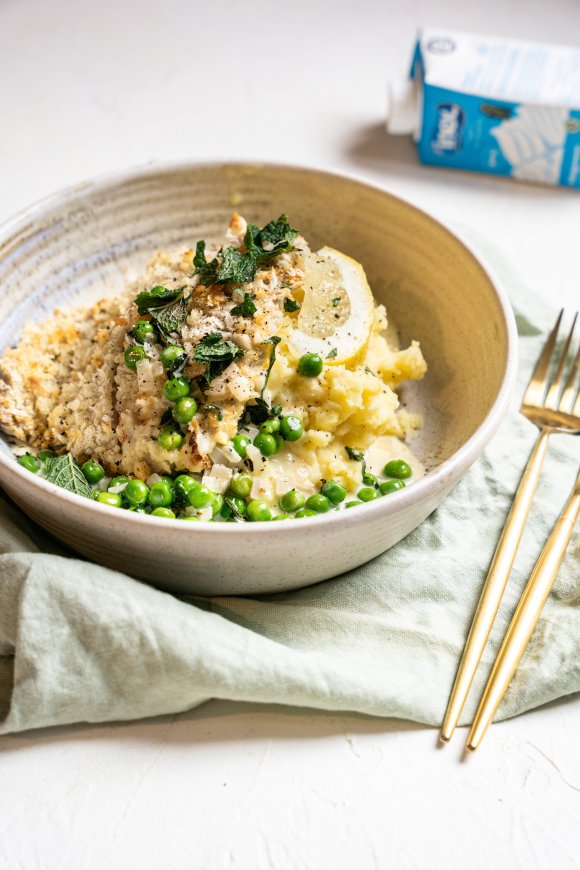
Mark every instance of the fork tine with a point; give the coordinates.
(571, 388)
(536, 390)
(556, 385)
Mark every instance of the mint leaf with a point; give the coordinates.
(291, 305)
(273, 239)
(156, 297)
(171, 318)
(274, 340)
(231, 266)
(63, 471)
(357, 456)
(245, 308)
(332, 353)
(216, 354)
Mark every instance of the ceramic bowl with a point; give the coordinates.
(83, 243)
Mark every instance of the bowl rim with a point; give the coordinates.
(423, 490)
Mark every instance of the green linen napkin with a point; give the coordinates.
(82, 643)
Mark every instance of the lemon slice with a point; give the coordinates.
(337, 310)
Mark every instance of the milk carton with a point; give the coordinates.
(492, 105)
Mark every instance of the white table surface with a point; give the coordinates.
(88, 87)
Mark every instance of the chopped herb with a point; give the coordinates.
(231, 266)
(335, 301)
(369, 371)
(274, 340)
(257, 413)
(171, 318)
(64, 472)
(273, 239)
(246, 308)
(216, 354)
(357, 456)
(157, 297)
(235, 512)
(291, 305)
(215, 408)
(332, 353)
(248, 463)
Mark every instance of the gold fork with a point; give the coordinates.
(551, 409)
(525, 618)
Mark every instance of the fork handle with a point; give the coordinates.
(525, 618)
(495, 584)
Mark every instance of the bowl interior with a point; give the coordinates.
(85, 244)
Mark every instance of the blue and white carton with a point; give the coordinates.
(492, 105)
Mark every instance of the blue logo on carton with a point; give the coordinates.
(448, 127)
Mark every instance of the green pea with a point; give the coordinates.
(368, 493)
(398, 468)
(185, 410)
(266, 444)
(133, 355)
(240, 444)
(279, 442)
(163, 512)
(282, 517)
(110, 498)
(144, 330)
(118, 481)
(200, 496)
(160, 495)
(169, 355)
(292, 500)
(369, 479)
(241, 485)
(258, 511)
(176, 389)
(270, 426)
(238, 503)
(170, 438)
(183, 483)
(136, 492)
(388, 486)
(192, 519)
(304, 512)
(29, 462)
(291, 428)
(164, 478)
(93, 471)
(216, 503)
(333, 491)
(350, 504)
(310, 365)
(318, 503)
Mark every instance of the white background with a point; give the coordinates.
(89, 87)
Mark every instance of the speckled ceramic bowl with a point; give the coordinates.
(82, 244)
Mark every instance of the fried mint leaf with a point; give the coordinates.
(216, 354)
(64, 472)
(157, 297)
(246, 308)
(273, 239)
